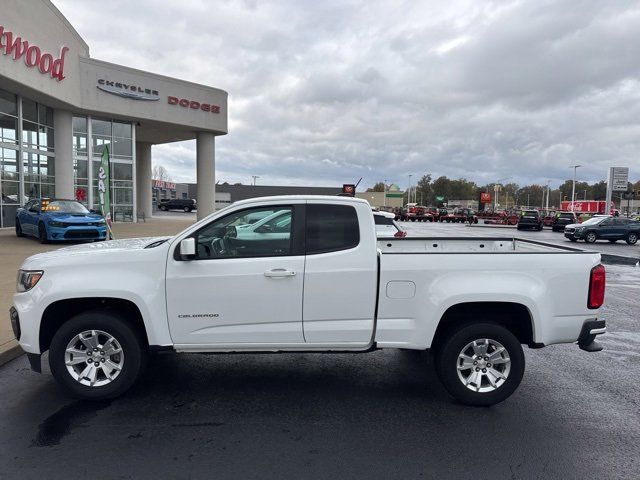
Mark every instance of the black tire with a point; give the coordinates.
(42, 233)
(519, 227)
(163, 208)
(590, 237)
(19, 229)
(187, 209)
(133, 349)
(447, 363)
(632, 238)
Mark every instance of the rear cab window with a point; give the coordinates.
(331, 228)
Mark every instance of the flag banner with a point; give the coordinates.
(104, 189)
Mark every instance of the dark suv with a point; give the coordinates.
(530, 219)
(562, 219)
(604, 228)
(185, 205)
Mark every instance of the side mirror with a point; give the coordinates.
(188, 248)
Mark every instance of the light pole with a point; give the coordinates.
(548, 193)
(409, 197)
(573, 190)
(255, 177)
(384, 200)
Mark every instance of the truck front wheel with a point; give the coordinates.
(481, 364)
(96, 355)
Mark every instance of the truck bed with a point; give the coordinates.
(470, 245)
(421, 278)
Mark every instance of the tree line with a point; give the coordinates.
(510, 195)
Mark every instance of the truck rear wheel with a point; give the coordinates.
(481, 364)
(96, 356)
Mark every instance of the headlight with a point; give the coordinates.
(53, 223)
(27, 279)
(102, 222)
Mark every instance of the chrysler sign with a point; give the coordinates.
(127, 90)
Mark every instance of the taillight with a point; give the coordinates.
(412, 210)
(597, 283)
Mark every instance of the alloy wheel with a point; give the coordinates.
(94, 358)
(483, 365)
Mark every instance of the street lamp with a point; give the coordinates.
(255, 177)
(384, 200)
(573, 191)
(409, 197)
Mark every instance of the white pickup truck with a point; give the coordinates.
(319, 280)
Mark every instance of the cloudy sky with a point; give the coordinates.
(326, 92)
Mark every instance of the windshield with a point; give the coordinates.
(593, 221)
(64, 206)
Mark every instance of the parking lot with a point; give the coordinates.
(381, 414)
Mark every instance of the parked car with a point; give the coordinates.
(332, 287)
(562, 219)
(59, 219)
(386, 227)
(604, 228)
(184, 204)
(530, 219)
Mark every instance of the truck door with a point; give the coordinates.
(241, 289)
(341, 274)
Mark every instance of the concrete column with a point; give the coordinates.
(143, 178)
(206, 173)
(63, 144)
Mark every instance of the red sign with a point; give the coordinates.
(32, 55)
(485, 197)
(192, 104)
(587, 206)
(349, 189)
(163, 184)
(81, 194)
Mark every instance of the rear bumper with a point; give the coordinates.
(590, 329)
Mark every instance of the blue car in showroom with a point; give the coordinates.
(62, 220)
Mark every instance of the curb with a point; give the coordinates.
(10, 353)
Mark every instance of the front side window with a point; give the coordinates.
(331, 228)
(253, 232)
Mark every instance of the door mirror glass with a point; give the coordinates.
(188, 248)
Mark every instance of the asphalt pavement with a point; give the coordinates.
(304, 416)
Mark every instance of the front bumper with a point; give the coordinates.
(587, 338)
(15, 322)
(575, 234)
(78, 232)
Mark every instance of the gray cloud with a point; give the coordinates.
(323, 93)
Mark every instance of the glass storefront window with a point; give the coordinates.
(8, 129)
(122, 147)
(8, 103)
(80, 124)
(35, 165)
(122, 130)
(100, 127)
(29, 110)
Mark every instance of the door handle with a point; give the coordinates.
(279, 272)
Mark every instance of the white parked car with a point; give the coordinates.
(327, 285)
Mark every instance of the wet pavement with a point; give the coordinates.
(375, 415)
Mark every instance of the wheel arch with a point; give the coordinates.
(515, 317)
(59, 312)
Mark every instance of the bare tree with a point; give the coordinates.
(160, 173)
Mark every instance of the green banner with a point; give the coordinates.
(439, 199)
(104, 189)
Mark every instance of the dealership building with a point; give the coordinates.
(59, 109)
